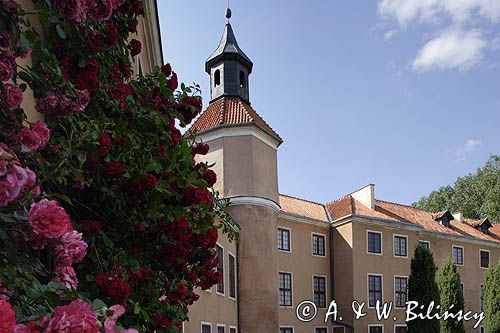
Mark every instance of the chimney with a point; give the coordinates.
(366, 195)
(458, 216)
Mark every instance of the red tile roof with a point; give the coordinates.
(230, 111)
(303, 208)
(402, 213)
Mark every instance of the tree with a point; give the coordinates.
(475, 195)
(422, 288)
(450, 293)
(492, 300)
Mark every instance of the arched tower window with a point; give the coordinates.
(242, 79)
(217, 78)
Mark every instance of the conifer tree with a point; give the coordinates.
(492, 300)
(450, 293)
(422, 288)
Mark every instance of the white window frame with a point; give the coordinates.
(368, 290)
(394, 248)
(394, 289)
(289, 238)
(381, 242)
(292, 327)
(312, 244)
(376, 325)
(425, 241)
(220, 325)
(489, 258)
(286, 306)
(229, 253)
(400, 325)
(217, 292)
(205, 323)
(316, 327)
(233, 327)
(463, 255)
(326, 289)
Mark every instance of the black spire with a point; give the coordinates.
(229, 67)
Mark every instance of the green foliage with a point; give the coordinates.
(475, 195)
(450, 293)
(422, 288)
(492, 300)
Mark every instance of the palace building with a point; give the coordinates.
(357, 247)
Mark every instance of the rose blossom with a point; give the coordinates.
(47, 104)
(110, 324)
(67, 276)
(70, 248)
(13, 95)
(5, 41)
(100, 9)
(73, 10)
(12, 176)
(7, 317)
(135, 47)
(6, 71)
(31, 181)
(30, 139)
(76, 317)
(49, 219)
(42, 130)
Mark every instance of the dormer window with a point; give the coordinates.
(483, 226)
(443, 218)
(217, 78)
(242, 79)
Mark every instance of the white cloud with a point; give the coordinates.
(391, 33)
(406, 11)
(453, 49)
(469, 146)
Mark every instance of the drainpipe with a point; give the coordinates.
(332, 280)
(238, 286)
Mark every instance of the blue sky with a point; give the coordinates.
(401, 93)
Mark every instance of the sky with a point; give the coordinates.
(404, 94)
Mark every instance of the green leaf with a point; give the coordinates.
(60, 31)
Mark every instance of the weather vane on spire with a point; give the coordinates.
(228, 11)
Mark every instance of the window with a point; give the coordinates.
(425, 244)
(457, 255)
(318, 245)
(286, 329)
(283, 239)
(481, 297)
(242, 79)
(400, 329)
(285, 289)
(338, 330)
(374, 242)
(400, 246)
(232, 329)
(232, 276)
(220, 268)
(481, 329)
(319, 287)
(221, 329)
(374, 290)
(321, 330)
(217, 78)
(375, 329)
(400, 291)
(206, 328)
(485, 258)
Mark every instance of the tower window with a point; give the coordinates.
(242, 79)
(217, 78)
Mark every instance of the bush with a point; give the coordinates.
(450, 293)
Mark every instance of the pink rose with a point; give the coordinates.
(47, 104)
(110, 323)
(100, 10)
(73, 10)
(67, 276)
(48, 219)
(20, 328)
(6, 71)
(70, 248)
(42, 130)
(11, 184)
(117, 4)
(7, 317)
(30, 139)
(31, 181)
(82, 99)
(13, 95)
(76, 317)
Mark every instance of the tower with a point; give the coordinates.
(244, 149)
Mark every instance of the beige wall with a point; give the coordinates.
(303, 265)
(389, 266)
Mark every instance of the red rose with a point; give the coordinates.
(163, 321)
(87, 80)
(173, 83)
(167, 70)
(13, 95)
(48, 219)
(151, 180)
(105, 143)
(114, 168)
(73, 10)
(7, 317)
(91, 228)
(135, 47)
(132, 25)
(100, 10)
(210, 177)
(201, 149)
(196, 195)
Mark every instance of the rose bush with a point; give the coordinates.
(103, 200)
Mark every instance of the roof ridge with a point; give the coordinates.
(339, 199)
(310, 201)
(409, 206)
